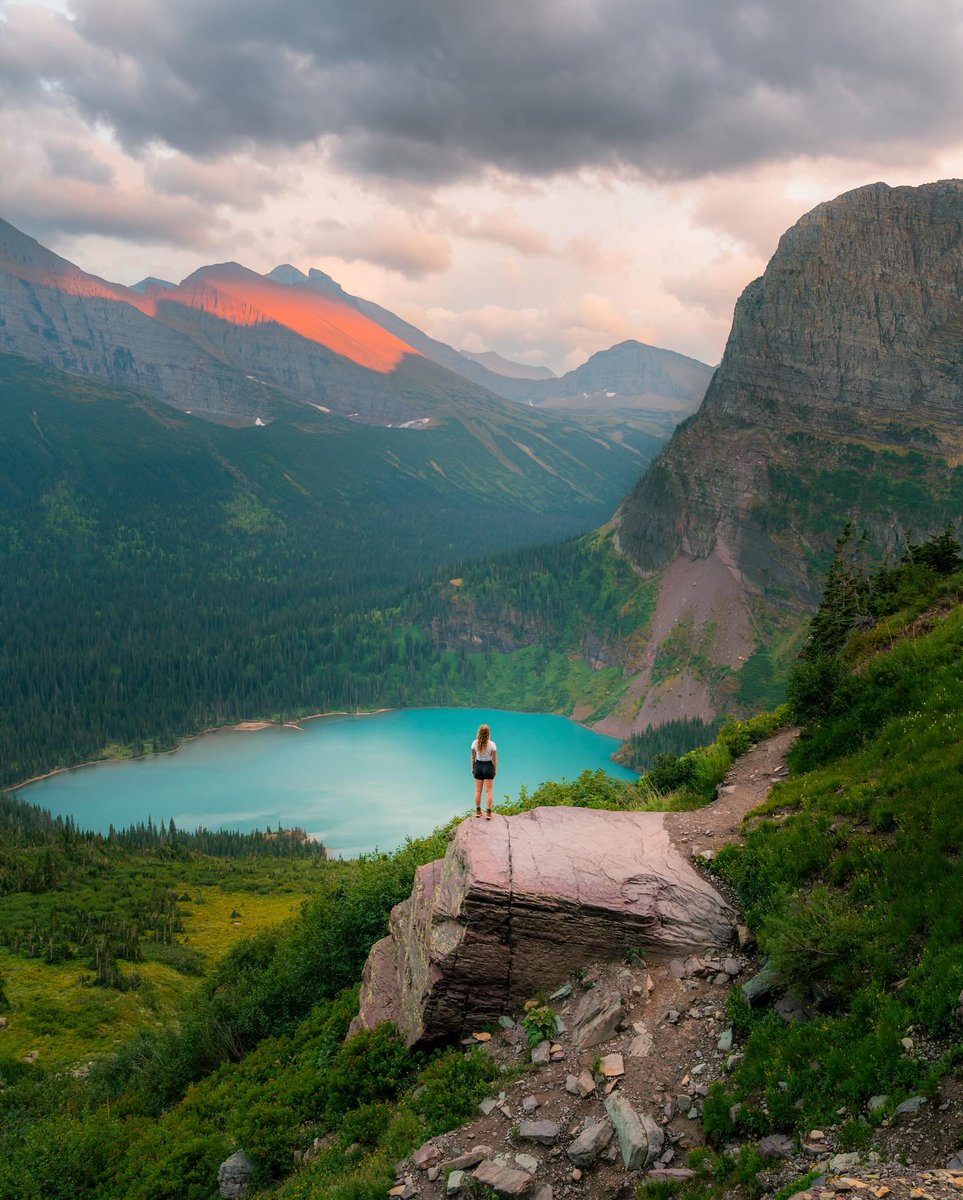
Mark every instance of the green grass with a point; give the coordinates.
(854, 881)
(57, 1014)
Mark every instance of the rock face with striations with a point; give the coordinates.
(839, 398)
(843, 372)
(519, 903)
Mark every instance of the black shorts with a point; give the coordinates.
(484, 770)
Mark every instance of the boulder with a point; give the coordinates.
(519, 904)
(425, 1155)
(506, 1181)
(775, 1145)
(612, 1066)
(462, 1162)
(545, 1132)
(640, 1138)
(581, 1085)
(590, 1143)
(596, 1018)
(793, 1007)
(909, 1108)
(641, 1045)
(234, 1176)
(762, 987)
(541, 1054)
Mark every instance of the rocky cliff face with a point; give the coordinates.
(519, 903)
(839, 397)
(852, 340)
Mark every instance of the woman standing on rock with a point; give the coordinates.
(484, 765)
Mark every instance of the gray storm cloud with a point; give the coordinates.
(432, 91)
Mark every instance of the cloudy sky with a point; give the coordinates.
(538, 177)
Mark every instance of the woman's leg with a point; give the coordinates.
(488, 792)
(478, 788)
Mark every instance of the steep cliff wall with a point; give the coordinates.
(842, 381)
(839, 397)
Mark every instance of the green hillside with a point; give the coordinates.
(852, 875)
(851, 880)
(161, 574)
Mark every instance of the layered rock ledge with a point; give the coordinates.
(519, 903)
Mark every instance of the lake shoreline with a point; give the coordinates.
(356, 786)
(247, 726)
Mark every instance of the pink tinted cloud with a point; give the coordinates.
(387, 239)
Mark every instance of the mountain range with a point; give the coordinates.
(232, 345)
(838, 399)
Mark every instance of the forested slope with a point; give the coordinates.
(162, 574)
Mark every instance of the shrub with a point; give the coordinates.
(182, 958)
(374, 1065)
(814, 686)
(366, 1124)
(671, 772)
(453, 1085)
(539, 1024)
(816, 938)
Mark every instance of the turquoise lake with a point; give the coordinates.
(355, 782)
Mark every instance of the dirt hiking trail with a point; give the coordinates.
(745, 787)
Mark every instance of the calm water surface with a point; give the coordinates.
(354, 782)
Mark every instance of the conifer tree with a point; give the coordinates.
(845, 600)
(940, 552)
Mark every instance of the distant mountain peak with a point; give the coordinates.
(151, 281)
(285, 273)
(507, 367)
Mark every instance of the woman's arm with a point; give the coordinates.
(495, 760)
(473, 762)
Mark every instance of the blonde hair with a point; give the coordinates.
(484, 733)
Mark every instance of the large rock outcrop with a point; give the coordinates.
(840, 394)
(519, 903)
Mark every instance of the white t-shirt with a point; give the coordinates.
(486, 754)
